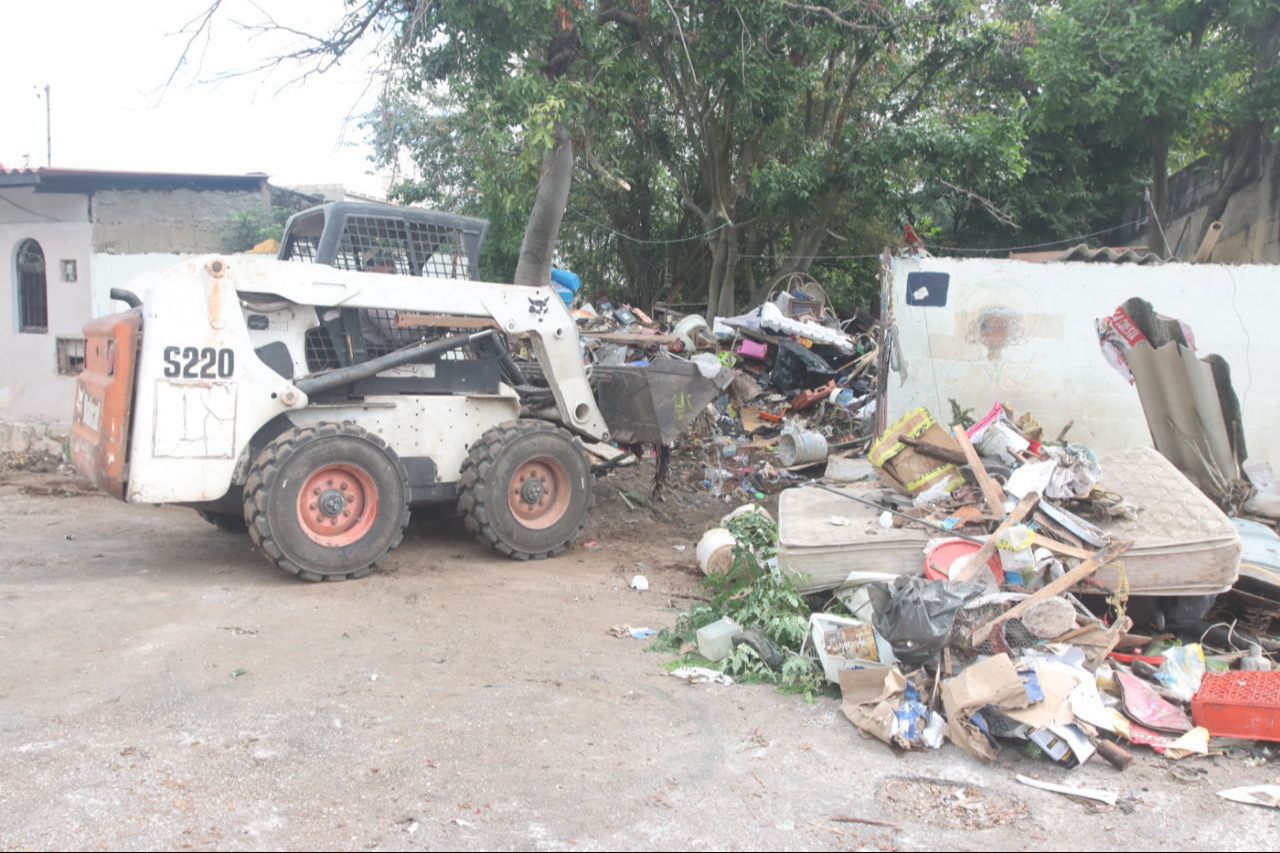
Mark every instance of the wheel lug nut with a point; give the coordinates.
(315, 491)
(346, 513)
(343, 487)
(313, 506)
(330, 482)
(320, 519)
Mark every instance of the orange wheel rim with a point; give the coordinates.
(539, 493)
(338, 504)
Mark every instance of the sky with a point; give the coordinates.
(107, 65)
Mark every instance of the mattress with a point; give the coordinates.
(827, 541)
(1183, 544)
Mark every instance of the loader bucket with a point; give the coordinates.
(651, 404)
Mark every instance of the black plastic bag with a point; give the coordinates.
(915, 614)
(797, 368)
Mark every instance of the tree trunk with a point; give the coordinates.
(811, 239)
(1246, 151)
(1156, 241)
(549, 202)
(1235, 175)
(719, 255)
(726, 304)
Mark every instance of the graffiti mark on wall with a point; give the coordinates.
(996, 328)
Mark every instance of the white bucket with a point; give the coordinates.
(715, 551)
(801, 448)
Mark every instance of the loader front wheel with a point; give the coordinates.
(525, 489)
(326, 502)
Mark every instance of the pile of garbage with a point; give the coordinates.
(975, 585)
(796, 384)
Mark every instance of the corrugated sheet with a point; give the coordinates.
(1122, 255)
(1084, 254)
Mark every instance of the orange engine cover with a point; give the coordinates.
(104, 400)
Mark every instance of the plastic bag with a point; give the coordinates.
(915, 615)
(1182, 670)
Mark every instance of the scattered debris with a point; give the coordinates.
(1108, 797)
(624, 631)
(701, 675)
(1254, 795)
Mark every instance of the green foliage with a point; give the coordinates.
(248, 228)
(980, 123)
(754, 593)
(960, 416)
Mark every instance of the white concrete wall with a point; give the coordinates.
(110, 271)
(30, 387)
(1023, 334)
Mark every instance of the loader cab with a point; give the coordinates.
(393, 240)
(385, 238)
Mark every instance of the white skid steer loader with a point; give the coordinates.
(315, 397)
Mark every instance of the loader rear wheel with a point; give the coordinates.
(526, 489)
(326, 502)
(229, 523)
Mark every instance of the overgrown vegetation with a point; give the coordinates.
(695, 150)
(251, 227)
(755, 594)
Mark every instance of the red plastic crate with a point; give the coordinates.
(1239, 704)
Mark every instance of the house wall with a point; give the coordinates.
(182, 220)
(30, 387)
(1023, 334)
(114, 236)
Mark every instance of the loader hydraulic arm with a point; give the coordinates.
(532, 313)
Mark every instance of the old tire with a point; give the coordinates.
(526, 489)
(222, 521)
(326, 502)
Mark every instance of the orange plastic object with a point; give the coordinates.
(938, 559)
(805, 399)
(104, 400)
(1239, 704)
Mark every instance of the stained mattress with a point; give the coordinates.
(1183, 544)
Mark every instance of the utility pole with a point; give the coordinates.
(48, 129)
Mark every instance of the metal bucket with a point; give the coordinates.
(801, 448)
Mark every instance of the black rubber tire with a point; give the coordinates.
(229, 523)
(271, 494)
(487, 471)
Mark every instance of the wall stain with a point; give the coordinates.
(996, 328)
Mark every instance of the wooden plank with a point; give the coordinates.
(406, 320)
(1049, 590)
(992, 492)
(942, 454)
(608, 452)
(1029, 500)
(630, 338)
(1062, 548)
(1056, 530)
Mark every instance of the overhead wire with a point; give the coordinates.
(1137, 222)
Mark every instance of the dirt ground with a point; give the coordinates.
(163, 688)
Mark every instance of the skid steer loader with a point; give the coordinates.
(313, 398)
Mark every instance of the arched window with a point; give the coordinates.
(33, 299)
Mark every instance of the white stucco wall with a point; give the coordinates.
(1038, 350)
(30, 387)
(110, 271)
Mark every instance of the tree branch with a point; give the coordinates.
(995, 212)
